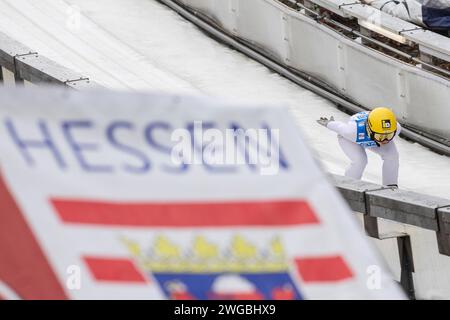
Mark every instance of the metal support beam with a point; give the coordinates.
(406, 260)
(310, 6)
(367, 33)
(371, 226)
(28, 65)
(370, 222)
(406, 265)
(427, 58)
(443, 232)
(17, 77)
(403, 243)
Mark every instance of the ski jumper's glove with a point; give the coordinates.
(324, 121)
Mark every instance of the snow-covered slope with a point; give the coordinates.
(142, 45)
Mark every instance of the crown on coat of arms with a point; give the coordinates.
(204, 256)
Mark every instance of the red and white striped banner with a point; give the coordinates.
(93, 205)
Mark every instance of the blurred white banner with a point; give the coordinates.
(94, 205)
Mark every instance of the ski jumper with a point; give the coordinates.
(354, 140)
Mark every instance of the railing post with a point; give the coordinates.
(17, 78)
(403, 243)
(406, 265)
(371, 226)
(1, 75)
(443, 232)
(371, 222)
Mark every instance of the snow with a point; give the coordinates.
(143, 45)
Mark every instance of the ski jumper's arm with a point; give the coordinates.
(346, 130)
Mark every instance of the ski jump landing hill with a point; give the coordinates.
(411, 230)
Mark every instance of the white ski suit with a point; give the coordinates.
(353, 139)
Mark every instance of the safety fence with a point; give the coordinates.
(28, 65)
(429, 49)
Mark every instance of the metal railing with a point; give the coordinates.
(405, 207)
(28, 65)
(427, 212)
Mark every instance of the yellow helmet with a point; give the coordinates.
(381, 124)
